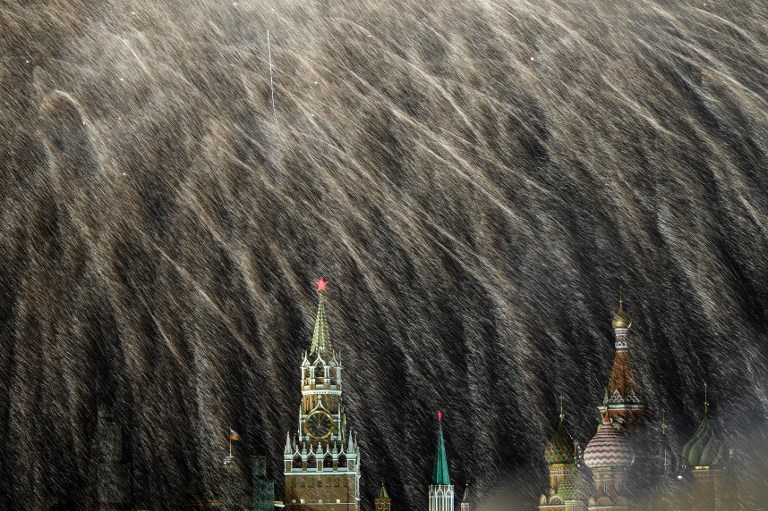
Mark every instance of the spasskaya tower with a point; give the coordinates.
(321, 458)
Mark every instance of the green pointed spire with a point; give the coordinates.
(440, 473)
(321, 339)
(383, 492)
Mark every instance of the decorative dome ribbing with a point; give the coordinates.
(561, 449)
(607, 448)
(704, 449)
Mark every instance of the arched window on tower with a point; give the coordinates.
(342, 461)
(297, 461)
(328, 462)
(311, 462)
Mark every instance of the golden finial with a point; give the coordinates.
(562, 414)
(621, 319)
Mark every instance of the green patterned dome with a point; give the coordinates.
(561, 449)
(576, 486)
(704, 449)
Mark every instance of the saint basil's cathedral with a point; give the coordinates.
(618, 463)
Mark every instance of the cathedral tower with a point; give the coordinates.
(621, 403)
(321, 459)
(441, 490)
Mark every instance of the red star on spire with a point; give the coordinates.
(321, 285)
(439, 415)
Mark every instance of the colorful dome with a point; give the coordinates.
(621, 319)
(561, 449)
(607, 448)
(577, 486)
(704, 449)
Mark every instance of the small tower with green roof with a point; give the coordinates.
(441, 490)
(383, 502)
(466, 500)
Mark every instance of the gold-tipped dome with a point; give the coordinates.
(621, 319)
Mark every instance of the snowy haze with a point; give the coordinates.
(476, 179)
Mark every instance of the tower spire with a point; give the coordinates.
(383, 493)
(441, 490)
(440, 473)
(623, 404)
(466, 501)
(321, 339)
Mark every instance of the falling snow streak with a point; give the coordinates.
(477, 179)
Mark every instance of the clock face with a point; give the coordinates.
(319, 424)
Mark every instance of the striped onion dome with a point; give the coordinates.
(607, 448)
(561, 449)
(704, 449)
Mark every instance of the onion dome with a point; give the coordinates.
(704, 449)
(621, 319)
(577, 486)
(607, 448)
(561, 449)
